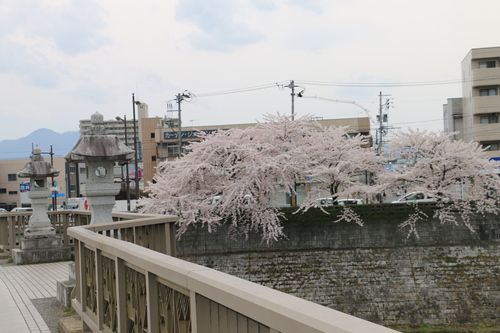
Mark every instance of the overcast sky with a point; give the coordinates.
(62, 60)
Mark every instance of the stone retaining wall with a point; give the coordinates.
(374, 272)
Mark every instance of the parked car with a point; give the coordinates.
(22, 209)
(3, 210)
(324, 202)
(415, 197)
(350, 201)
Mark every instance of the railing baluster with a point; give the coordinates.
(99, 288)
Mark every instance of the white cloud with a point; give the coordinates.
(218, 29)
(61, 61)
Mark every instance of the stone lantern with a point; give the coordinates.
(40, 243)
(100, 152)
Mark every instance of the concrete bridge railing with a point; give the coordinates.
(12, 226)
(126, 281)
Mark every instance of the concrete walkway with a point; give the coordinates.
(18, 286)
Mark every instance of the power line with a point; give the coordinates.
(239, 90)
(343, 84)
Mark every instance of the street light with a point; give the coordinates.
(124, 119)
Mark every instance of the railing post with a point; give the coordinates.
(65, 221)
(4, 232)
(12, 233)
(194, 312)
(152, 302)
(80, 287)
(78, 272)
(121, 295)
(170, 239)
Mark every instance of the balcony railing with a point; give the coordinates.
(486, 104)
(482, 77)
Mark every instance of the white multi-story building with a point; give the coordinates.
(117, 126)
(476, 114)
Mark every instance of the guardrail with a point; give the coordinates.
(127, 282)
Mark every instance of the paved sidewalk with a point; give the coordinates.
(18, 286)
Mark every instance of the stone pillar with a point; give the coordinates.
(101, 190)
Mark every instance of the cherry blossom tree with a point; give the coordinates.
(457, 174)
(234, 176)
(340, 163)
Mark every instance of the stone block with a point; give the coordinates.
(23, 257)
(72, 271)
(38, 250)
(64, 290)
(40, 243)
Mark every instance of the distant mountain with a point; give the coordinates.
(43, 138)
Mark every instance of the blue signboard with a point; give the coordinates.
(24, 186)
(57, 195)
(188, 134)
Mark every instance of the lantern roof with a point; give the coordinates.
(98, 146)
(37, 167)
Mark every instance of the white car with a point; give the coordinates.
(22, 209)
(350, 201)
(324, 202)
(415, 197)
(3, 210)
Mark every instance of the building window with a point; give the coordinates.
(487, 64)
(12, 192)
(489, 119)
(72, 169)
(491, 146)
(172, 149)
(12, 177)
(153, 158)
(3, 190)
(72, 188)
(82, 171)
(152, 135)
(488, 92)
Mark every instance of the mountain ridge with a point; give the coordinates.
(44, 138)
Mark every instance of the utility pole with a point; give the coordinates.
(127, 179)
(136, 165)
(379, 131)
(179, 98)
(382, 118)
(53, 184)
(293, 198)
(292, 86)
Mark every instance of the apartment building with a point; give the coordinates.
(476, 114)
(117, 126)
